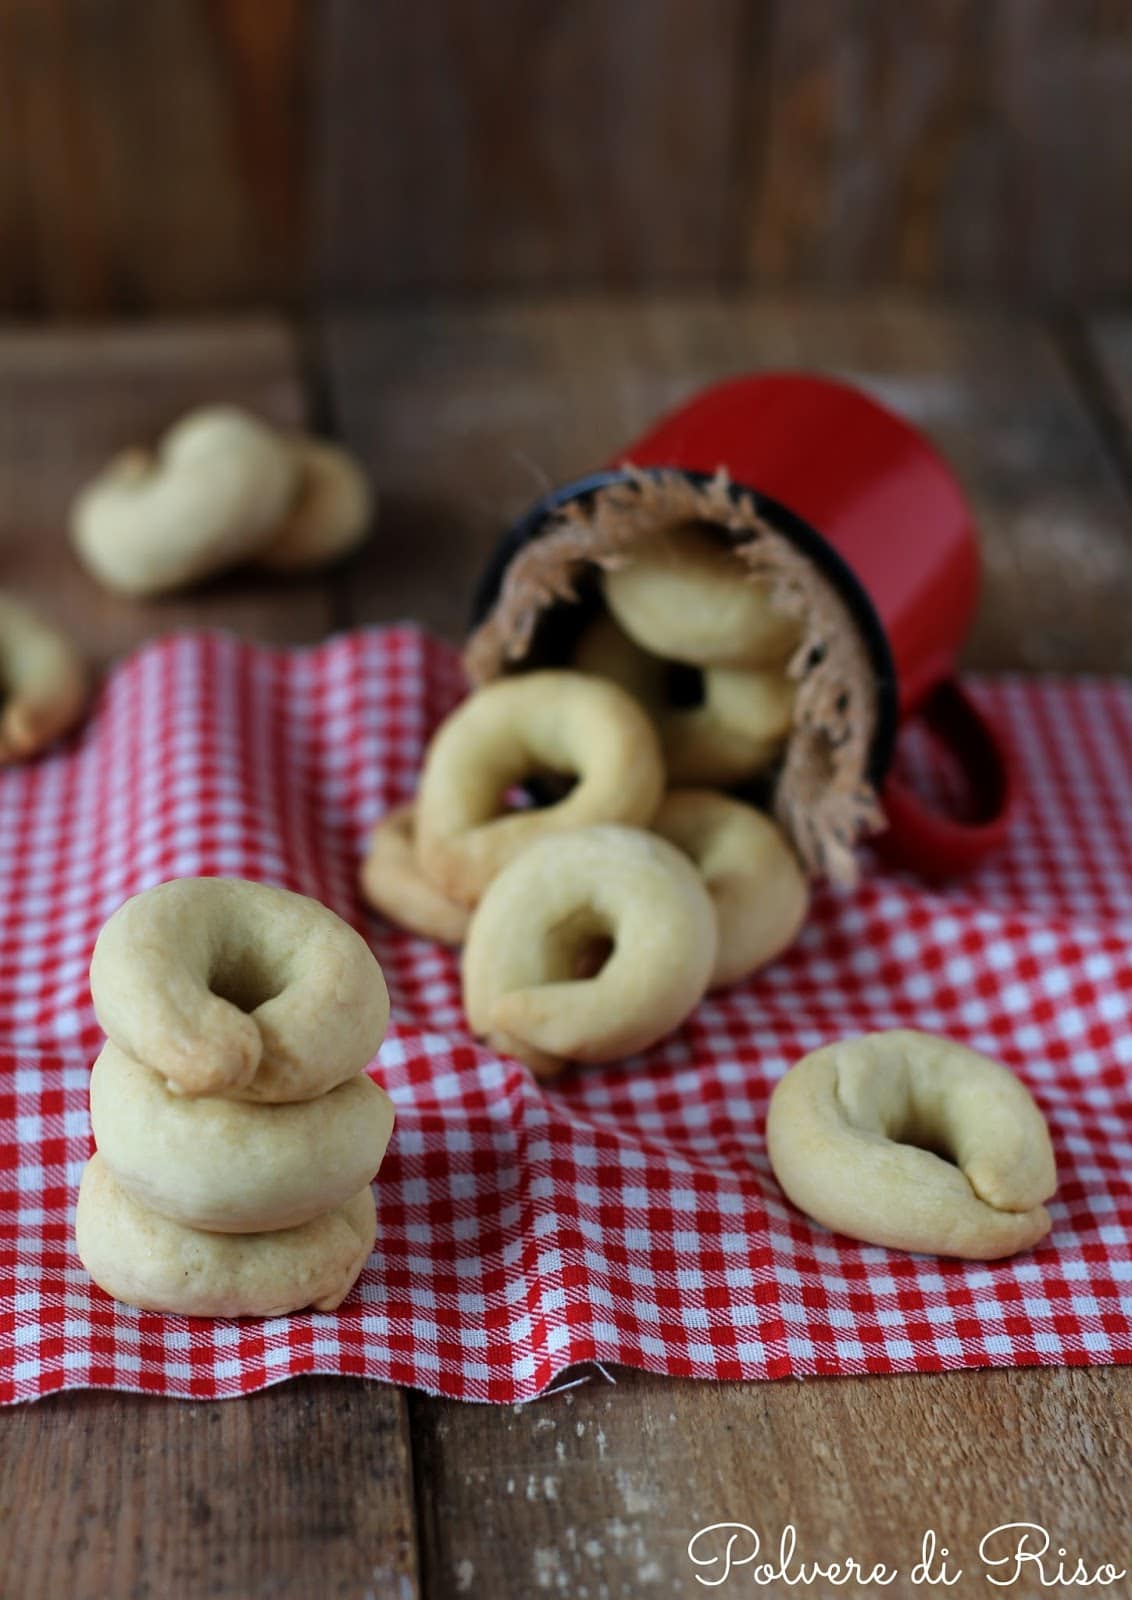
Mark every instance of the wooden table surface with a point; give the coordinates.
(334, 1487)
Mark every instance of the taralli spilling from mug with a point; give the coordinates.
(630, 669)
(684, 706)
(236, 1128)
(592, 923)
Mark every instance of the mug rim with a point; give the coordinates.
(802, 534)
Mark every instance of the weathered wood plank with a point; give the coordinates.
(597, 1492)
(204, 153)
(465, 416)
(298, 1491)
(69, 400)
(952, 145)
(217, 152)
(151, 157)
(1110, 340)
(491, 143)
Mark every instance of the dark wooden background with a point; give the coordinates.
(162, 155)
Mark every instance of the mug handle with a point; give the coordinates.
(929, 843)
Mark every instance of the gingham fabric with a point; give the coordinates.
(626, 1214)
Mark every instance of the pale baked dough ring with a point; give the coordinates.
(544, 912)
(851, 1132)
(755, 881)
(606, 651)
(515, 729)
(684, 595)
(144, 1260)
(228, 987)
(330, 514)
(43, 682)
(210, 496)
(230, 1166)
(736, 731)
(392, 882)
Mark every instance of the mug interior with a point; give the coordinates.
(561, 625)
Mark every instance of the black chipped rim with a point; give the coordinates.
(533, 524)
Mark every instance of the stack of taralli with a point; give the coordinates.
(594, 922)
(221, 489)
(236, 1128)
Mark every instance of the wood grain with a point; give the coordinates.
(954, 144)
(598, 1491)
(68, 401)
(466, 417)
(151, 156)
(298, 1491)
(228, 153)
(473, 143)
(1110, 341)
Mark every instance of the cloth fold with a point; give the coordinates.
(625, 1214)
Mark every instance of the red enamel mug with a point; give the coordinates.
(870, 501)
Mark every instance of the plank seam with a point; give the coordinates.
(1069, 333)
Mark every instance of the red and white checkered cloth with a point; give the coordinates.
(626, 1214)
